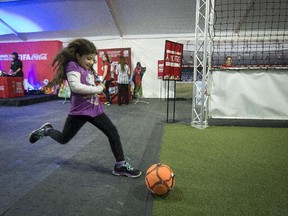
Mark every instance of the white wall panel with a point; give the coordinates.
(256, 94)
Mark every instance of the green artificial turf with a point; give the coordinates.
(225, 171)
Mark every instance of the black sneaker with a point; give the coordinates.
(39, 133)
(126, 170)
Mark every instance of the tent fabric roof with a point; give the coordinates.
(94, 18)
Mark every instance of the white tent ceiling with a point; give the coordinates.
(54, 19)
(58, 19)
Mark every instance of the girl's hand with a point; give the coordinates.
(103, 86)
(100, 83)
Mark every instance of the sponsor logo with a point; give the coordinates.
(25, 57)
(5, 57)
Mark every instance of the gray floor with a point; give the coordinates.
(75, 179)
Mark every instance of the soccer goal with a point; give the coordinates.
(241, 59)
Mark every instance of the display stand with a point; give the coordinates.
(168, 99)
(139, 96)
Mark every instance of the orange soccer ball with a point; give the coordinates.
(159, 179)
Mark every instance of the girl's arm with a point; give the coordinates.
(76, 86)
(128, 71)
(105, 72)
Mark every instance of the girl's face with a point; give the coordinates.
(104, 58)
(86, 61)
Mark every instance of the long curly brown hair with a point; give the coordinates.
(122, 62)
(80, 46)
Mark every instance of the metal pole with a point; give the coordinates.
(174, 100)
(167, 102)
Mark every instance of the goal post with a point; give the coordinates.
(253, 33)
(202, 61)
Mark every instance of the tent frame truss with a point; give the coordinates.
(202, 62)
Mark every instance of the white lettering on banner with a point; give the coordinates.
(173, 60)
(114, 53)
(2, 88)
(4, 57)
(25, 57)
(34, 56)
(173, 64)
(173, 52)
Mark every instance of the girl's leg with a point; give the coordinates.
(103, 123)
(126, 94)
(119, 94)
(107, 93)
(71, 127)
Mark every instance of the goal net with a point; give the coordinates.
(252, 32)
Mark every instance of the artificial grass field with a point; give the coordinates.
(225, 171)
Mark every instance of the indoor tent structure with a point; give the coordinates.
(144, 26)
(226, 169)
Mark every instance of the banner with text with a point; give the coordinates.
(36, 58)
(172, 60)
(160, 68)
(114, 55)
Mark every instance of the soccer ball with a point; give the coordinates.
(159, 179)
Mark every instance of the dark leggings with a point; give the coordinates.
(106, 92)
(102, 122)
(126, 91)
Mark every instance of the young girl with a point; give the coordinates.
(74, 63)
(107, 79)
(123, 72)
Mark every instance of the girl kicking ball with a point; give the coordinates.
(75, 64)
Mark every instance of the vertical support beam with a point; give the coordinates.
(174, 101)
(111, 9)
(202, 61)
(168, 98)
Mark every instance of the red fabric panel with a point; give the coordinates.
(11, 87)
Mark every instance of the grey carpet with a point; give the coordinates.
(75, 179)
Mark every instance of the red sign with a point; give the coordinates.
(114, 55)
(172, 60)
(36, 57)
(160, 68)
(11, 87)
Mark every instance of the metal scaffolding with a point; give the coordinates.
(202, 61)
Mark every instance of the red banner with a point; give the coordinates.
(36, 57)
(160, 68)
(114, 55)
(173, 60)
